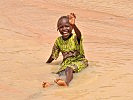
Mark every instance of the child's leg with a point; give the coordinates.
(69, 75)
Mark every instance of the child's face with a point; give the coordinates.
(65, 28)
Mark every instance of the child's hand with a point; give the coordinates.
(72, 18)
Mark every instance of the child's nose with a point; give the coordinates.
(64, 28)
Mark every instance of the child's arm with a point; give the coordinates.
(72, 18)
(77, 31)
(50, 59)
(55, 53)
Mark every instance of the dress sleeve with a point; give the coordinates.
(55, 50)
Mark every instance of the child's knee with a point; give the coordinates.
(68, 69)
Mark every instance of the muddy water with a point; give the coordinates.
(28, 31)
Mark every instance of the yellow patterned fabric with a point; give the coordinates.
(72, 51)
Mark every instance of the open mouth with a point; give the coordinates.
(65, 33)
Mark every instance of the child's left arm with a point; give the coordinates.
(77, 31)
(72, 18)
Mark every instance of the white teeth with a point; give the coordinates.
(64, 32)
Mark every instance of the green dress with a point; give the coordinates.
(72, 51)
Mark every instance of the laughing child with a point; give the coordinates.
(70, 45)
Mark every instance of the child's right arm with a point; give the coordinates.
(50, 59)
(55, 53)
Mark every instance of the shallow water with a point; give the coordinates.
(27, 34)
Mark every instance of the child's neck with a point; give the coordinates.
(67, 38)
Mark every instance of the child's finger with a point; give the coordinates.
(71, 14)
(74, 15)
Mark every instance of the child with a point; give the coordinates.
(70, 45)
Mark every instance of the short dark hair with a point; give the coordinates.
(62, 17)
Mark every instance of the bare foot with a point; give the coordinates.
(60, 82)
(46, 84)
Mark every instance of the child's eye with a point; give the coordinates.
(67, 26)
(61, 27)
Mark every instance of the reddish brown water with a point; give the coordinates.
(27, 34)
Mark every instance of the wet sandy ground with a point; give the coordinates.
(27, 34)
